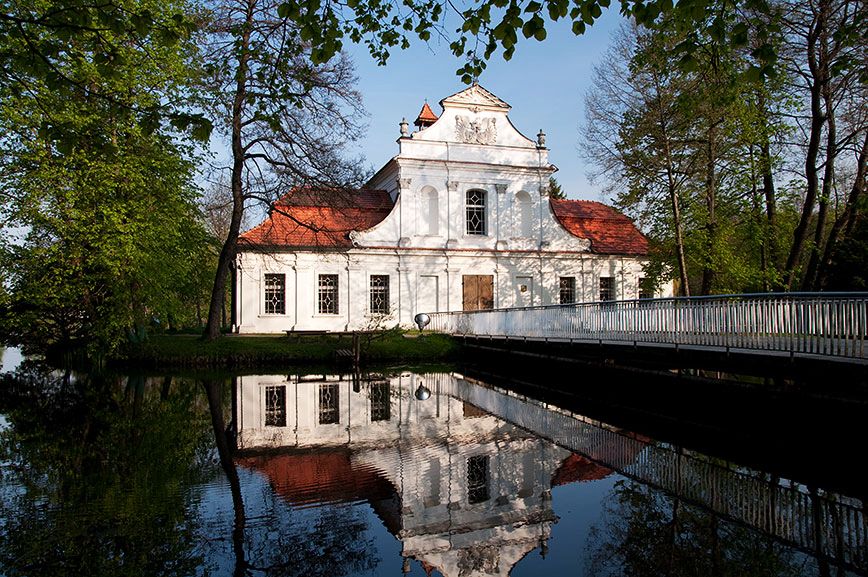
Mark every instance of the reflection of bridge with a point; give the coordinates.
(804, 325)
(831, 527)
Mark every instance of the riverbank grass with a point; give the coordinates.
(257, 350)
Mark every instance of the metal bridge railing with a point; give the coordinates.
(833, 324)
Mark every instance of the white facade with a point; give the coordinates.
(470, 197)
(469, 493)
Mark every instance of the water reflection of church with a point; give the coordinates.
(464, 491)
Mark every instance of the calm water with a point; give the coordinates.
(384, 474)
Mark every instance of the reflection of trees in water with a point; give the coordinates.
(95, 472)
(645, 532)
(328, 541)
(99, 477)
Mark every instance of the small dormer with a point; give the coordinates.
(426, 117)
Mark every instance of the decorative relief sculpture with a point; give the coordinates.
(482, 131)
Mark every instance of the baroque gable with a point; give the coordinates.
(475, 97)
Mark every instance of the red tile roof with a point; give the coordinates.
(317, 477)
(426, 116)
(576, 468)
(319, 218)
(609, 231)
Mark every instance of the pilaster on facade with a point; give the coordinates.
(529, 240)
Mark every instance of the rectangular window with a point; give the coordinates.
(275, 294)
(607, 288)
(327, 294)
(646, 288)
(476, 212)
(567, 290)
(477, 479)
(379, 294)
(381, 402)
(329, 413)
(275, 406)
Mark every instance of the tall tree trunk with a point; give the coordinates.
(672, 188)
(847, 218)
(818, 78)
(679, 234)
(224, 451)
(809, 281)
(770, 237)
(759, 220)
(708, 265)
(227, 253)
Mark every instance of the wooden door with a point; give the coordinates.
(478, 292)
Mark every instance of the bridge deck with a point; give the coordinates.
(816, 325)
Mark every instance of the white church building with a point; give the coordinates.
(460, 219)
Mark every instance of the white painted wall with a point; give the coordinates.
(423, 450)
(421, 257)
(413, 275)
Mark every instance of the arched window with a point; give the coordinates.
(476, 212)
(524, 214)
(430, 205)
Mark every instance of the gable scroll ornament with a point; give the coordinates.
(482, 131)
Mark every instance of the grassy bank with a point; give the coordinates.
(239, 351)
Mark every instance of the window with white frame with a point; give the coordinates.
(607, 288)
(477, 479)
(327, 294)
(329, 407)
(381, 401)
(275, 294)
(379, 294)
(476, 212)
(567, 292)
(275, 406)
(646, 288)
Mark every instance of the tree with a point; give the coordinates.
(634, 130)
(285, 118)
(825, 56)
(99, 189)
(556, 191)
(722, 139)
(38, 39)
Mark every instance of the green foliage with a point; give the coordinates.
(848, 271)
(556, 191)
(692, 136)
(69, 46)
(98, 192)
(97, 475)
(490, 26)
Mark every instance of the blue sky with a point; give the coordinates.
(545, 83)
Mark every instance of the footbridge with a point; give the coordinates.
(804, 325)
